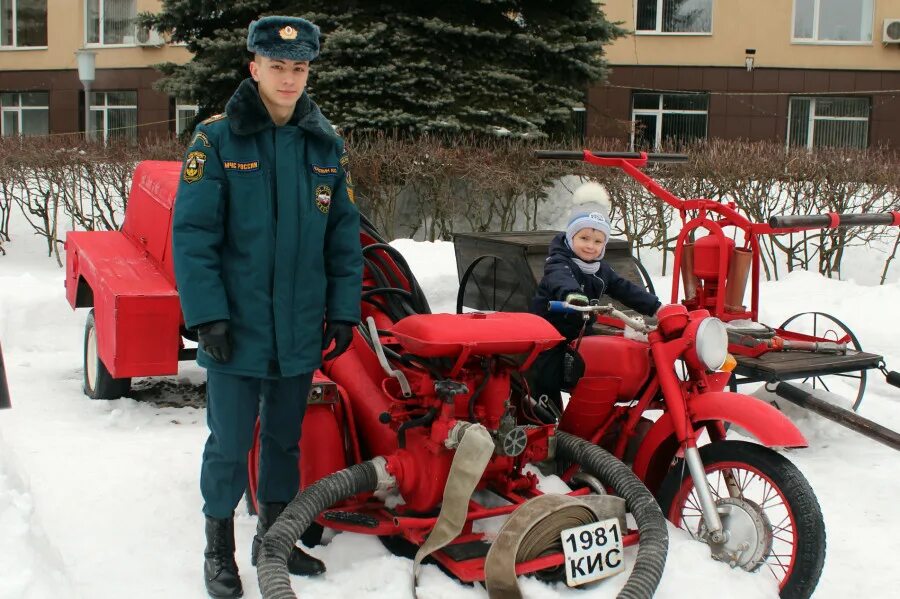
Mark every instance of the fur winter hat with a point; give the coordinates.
(287, 38)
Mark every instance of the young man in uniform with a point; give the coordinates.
(267, 255)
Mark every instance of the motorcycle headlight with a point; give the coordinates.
(712, 343)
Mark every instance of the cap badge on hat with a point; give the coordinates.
(288, 33)
(596, 216)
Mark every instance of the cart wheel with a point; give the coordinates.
(491, 284)
(648, 282)
(850, 384)
(98, 383)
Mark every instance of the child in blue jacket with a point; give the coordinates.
(576, 273)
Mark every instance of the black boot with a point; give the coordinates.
(299, 562)
(220, 571)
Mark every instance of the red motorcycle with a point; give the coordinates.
(650, 402)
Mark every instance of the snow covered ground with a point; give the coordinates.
(100, 499)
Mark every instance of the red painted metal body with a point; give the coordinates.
(127, 277)
(626, 382)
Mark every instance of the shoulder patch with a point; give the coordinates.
(201, 137)
(214, 118)
(193, 167)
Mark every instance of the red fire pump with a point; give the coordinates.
(423, 411)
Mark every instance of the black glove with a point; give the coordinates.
(339, 332)
(215, 340)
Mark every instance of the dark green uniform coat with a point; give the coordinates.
(266, 235)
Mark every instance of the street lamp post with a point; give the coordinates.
(86, 65)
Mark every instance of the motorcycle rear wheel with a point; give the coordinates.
(773, 505)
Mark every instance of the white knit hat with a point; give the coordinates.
(591, 210)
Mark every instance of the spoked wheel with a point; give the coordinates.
(852, 384)
(491, 283)
(770, 513)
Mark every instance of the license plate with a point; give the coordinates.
(593, 551)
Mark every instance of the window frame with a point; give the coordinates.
(815, 41)
(179, 106)
(101, 29)
(811, 120)
(15, 31)
(660, 113)
(659, 31)
(19, 108)
(105, 108)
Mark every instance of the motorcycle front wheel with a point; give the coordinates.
(768, 509)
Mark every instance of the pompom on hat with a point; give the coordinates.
(286, 38)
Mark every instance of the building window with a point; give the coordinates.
(25, 113)
(114, 115)
(23, 23)
(110, 22)
(674, 16)
(184, 116)
(670, 119)
(828, 122)
(847, 21)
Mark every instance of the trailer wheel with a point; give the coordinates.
(851, 384)
(645, 276)
(492, 284)
(98, 383)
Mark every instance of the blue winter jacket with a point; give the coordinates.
(562, 277)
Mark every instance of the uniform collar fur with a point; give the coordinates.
(248, 115)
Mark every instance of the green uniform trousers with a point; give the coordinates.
(232, 405)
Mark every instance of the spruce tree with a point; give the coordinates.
(513, 67)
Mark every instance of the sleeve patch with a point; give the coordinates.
(193, 166)
(201, 137)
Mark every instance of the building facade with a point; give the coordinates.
(40, 89)
(807, 73)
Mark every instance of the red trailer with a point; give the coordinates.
(126, 277)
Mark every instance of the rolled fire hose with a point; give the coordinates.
(272, 573)
(530, 532)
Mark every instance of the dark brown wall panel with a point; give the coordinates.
(66, 92)
(748, 116)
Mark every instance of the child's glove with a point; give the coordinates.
(577, 299)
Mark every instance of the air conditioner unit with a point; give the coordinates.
(891, 33)
(147, 36)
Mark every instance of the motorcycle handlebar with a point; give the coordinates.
(565, 307)
(835, 220)
(579, 155)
